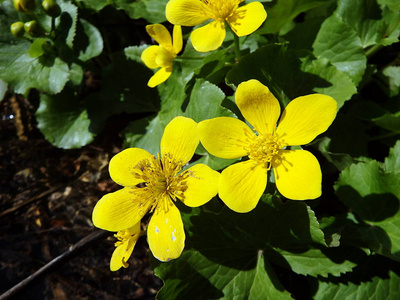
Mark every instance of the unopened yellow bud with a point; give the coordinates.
(51, 8)
(17, 29)
(24, 6)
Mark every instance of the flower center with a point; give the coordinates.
(263, 148)
(219, 9)
(161, 181)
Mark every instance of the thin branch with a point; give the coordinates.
(72, 251)
(29, 201)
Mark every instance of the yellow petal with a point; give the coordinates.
(247, 18)
(297, 175)
(118, 211)
(224, 137)
(208, 37)
(185, 12)
(160, 76)
(149, 56)
(180, 139)
(241, 185)
(165, 58)
(165, 233)
(122, 166)
(258, 105)
(306, 117)
(160, 34)
(122, 252)
(202, 185)
(178, 41)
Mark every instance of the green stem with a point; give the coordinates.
(371, 51)
(179, 58)
(237, 46)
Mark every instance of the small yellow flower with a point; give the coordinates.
(242, 20)
(124, 246)
(153, 185)
(162, 56)
(297, 172)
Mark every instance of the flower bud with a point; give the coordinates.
(17, 29)
(33, 28)
(51, 8)
(24, 6)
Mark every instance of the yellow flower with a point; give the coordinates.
(162, 56)
(153, 185)
(242, 20)
(124, 246)
(297, 172)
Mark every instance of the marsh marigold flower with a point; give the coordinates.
(297, 172)
(162, 56)
(154, 185)
(126, 241)
(243, 20)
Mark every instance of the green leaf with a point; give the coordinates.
(88, 41)
(151, 10)
(206, 102)
(135, 52)
(62, 121)
(374, 24)
(392, 162)
(96, 5)
(67, 22)
(315, 262)
(36, 50)
(22, 72)
(284, 11)
(392, 4)
(374, 195)
(145, 134)
(3, 89)
(376, 279)
(204, 279)
(288, 76)
(124, 90)
(340, 44)
(393, 75)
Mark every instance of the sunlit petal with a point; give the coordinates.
(165, 233)
(122, 166)
(149, 56)
(185, 12)
(241, 185)
(180, 139)
(122, 252)
(178, 41)
(208, 37)
(297, 175)
(159, 77)
(247, 18)
(258, 105)
(118, 211)
(160, 34)
(224, 137)
(306, 117)
(202, 185)
(164, 58)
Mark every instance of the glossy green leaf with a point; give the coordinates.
(62, 121)
(289, 74)
(376, 279)
(283, 12)
(340, 44)
(22, 72)
(224, 251)
(95, 4)
(151, 10)
(374, 24)
(206, 102)
(88, 41)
